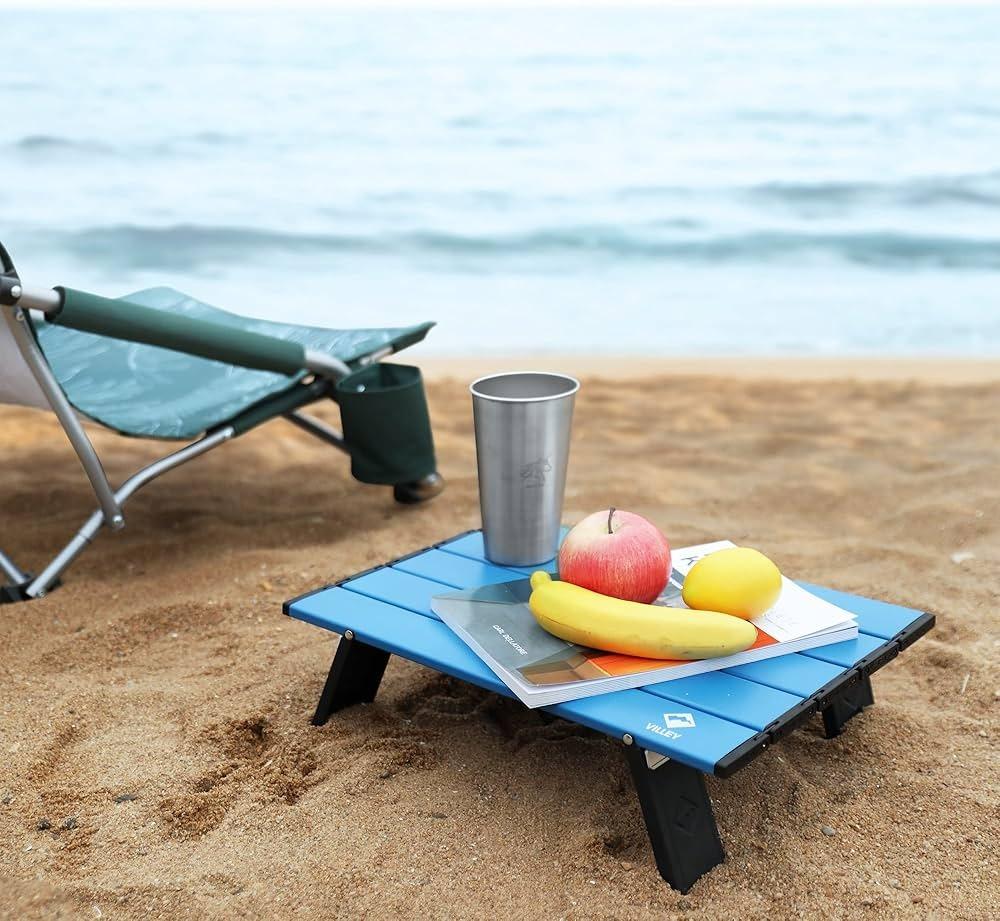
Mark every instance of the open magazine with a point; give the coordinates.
(542, 669)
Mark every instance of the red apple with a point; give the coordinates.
(616, 553)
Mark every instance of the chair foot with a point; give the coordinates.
(679, 819)
(849, 703)
(419, 490)
(354, 677)
(12, 593)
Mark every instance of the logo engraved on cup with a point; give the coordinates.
(533, 472)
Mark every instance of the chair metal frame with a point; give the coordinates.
(15, 303)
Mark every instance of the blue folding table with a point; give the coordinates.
(673, 732)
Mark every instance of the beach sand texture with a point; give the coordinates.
(156, 757)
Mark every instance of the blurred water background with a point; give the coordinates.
(680, 180)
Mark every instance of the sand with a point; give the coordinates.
(156, 757)
(938, 370)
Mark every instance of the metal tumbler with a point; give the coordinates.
(523, 423)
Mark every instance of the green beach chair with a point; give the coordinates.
(159, 364)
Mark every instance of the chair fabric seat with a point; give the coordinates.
(151, 392)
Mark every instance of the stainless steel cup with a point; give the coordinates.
(523, 422)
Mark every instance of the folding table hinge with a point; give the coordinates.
(655, 760)
(847, 705)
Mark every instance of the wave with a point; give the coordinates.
(56, 144)
(50, 143)
(982, 189)
(969, 189)
(187, 246)
(798, 117)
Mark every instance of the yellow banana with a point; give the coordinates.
(579, 615)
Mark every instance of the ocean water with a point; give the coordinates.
(677, 181)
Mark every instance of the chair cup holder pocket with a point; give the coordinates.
(383, 411)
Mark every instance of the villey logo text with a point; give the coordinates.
(672, 721)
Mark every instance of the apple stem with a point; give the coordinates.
(611, 513)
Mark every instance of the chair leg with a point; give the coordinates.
(849, 703)
(679, 819)
(10, 569)
(354, 677)
(48, 578)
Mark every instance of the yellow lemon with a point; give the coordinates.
(738, 581)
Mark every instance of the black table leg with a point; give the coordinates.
(679, 819)
(850, 702)
(354, 677)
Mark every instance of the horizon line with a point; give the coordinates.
(31, 6)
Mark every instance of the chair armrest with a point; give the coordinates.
(122, 319)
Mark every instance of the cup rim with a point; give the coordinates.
(574, 386)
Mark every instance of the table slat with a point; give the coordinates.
(796, 674)
(729, 697)
(454, 570)
(848, 653)
(402, 589)
(471, 545)
(876, 618)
